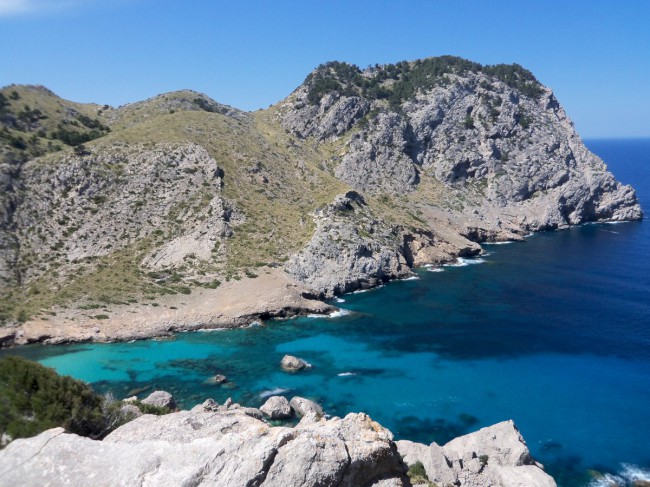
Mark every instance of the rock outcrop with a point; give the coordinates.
(229, 445)
(489, 145)
(496, 455)
(225, 448)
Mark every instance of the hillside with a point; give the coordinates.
(354, 179)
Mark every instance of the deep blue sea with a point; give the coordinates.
(553, 333)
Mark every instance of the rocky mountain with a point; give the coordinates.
(229, 445)
(354, 179)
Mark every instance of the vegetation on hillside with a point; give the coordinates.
(34, 122)
(34, 398)
(399, 82)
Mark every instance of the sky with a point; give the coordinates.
(594, 54)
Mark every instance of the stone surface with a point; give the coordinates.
(290, 363)
(277, 407)
(161, 399)
(496, 455)
(225, 448)
(304, 407)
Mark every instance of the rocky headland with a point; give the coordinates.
(178, 213)
(231, 445)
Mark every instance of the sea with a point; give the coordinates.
(553, 332)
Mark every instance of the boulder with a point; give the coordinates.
(130, 411)
(161, 399)
(277, 407)
(289, 363)
(303, 407)
(496, 456)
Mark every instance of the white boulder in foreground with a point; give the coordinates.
(229, 447)
(496, 456)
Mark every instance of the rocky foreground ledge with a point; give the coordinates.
(230, 445)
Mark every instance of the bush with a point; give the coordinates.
(417, 474)
(34, 398)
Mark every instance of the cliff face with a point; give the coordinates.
(354, 179)
(488, 145)
(469, 127)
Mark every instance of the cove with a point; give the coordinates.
(553, 333)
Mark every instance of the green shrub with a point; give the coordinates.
(417, 474)
(34, 398)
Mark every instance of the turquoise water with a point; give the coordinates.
(553, 333)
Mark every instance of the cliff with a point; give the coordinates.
(355, 179)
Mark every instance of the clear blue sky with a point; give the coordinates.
(595, 54)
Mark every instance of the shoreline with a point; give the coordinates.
(273, 294)
(234, 304)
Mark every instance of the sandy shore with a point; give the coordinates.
(232, 304)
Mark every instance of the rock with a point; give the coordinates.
(130, 399)
(290, 363)
(219, 379)
(496, 456)
(277, 407)
(502, 443)
(161, 399)
(303, 406)
(225, 448)
(130, 411)
(340, 257)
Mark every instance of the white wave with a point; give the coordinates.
(462, 262)
(412, 278)
(273, 392)
(359, 291)
(340, 300)
(207, 330)
(435, 269)
(505, 242)
(336, 314)
(633, 473)
(339, 313)
(628, 476)
(612, 231)
(346, 374)
(254, 324)
(607, 480)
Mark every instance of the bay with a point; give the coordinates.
(553, 333)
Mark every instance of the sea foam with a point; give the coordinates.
(273, 392)
(628, 475)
